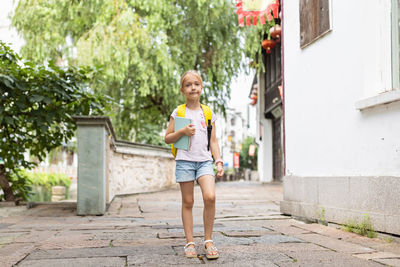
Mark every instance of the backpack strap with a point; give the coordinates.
(180, 112)
(208, 117)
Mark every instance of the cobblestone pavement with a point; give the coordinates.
(146, 230)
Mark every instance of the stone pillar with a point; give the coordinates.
(92, 138)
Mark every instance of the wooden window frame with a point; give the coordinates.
(395, 45)
(321, 34)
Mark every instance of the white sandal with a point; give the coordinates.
(210, 249)
(190, 252)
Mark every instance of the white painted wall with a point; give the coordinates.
(264, 137)
(325, 134)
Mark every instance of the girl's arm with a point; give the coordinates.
(172, 137)
(216, 152)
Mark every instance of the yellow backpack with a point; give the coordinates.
(180, 112)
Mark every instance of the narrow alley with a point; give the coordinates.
(146, 230)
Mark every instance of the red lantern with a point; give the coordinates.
(276, 32)
(268, 45)
(254, 97)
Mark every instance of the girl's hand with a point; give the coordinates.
(189, 130)
(220, 170)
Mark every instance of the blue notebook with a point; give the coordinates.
(184, 141)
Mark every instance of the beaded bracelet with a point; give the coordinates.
(219, 160)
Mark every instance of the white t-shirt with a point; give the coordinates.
(198, 142)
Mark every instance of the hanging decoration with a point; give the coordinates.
(268, 45)
(254, 95)
(256, 8)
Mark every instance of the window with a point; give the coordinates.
(395, 44)
(314, 20)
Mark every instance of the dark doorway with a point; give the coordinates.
(273, 106)
(277, 149)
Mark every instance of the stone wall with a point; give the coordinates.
(137, 168)
(342, 199)
(108, 167)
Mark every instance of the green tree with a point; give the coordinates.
(143, 47)
(36, 108)
(246, 161)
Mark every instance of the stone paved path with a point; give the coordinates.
(145, 230)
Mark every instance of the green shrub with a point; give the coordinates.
(20, 185)
(27, 185)
(321, 216)
(363, 228)
(48, 180)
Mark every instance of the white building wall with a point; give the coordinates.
(264, 137)
(325, 134)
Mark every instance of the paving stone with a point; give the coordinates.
(375, 243)
(99, 252)
(246, 233)
(161, 260)
(123, 236)
(245, 218)
(274, 239)
(52, 210)
(256, 234)
(221, 229)
(245, 263)
(177, 235)
(180, 226)
(238, 228)
(91, 227)
(334, 244)
(7, 238)
(232, 240)
(326, 258)
(72, 241)
(12, 211)
(76, 262)
(390, 262)
(280, 247)
(288, 230)
(4, 225)
(325, 230)
(13, 253)
(249, 259)
(130, 212)
(377, 255)
(151, 242)
(34, 236)
(266, 239)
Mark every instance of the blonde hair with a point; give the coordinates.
(194, 73)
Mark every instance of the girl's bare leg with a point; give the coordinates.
(187, 206)
(207, 185)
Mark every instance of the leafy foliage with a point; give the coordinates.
(143, 47)
(254, 36)
(246, 161)
(36, 107)
(364, 228)
(48, 180)
(20, 185)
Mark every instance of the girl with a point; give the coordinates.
(196, 163)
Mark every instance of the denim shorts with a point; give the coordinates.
(187, 171)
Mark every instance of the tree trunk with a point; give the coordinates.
(8, 193)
